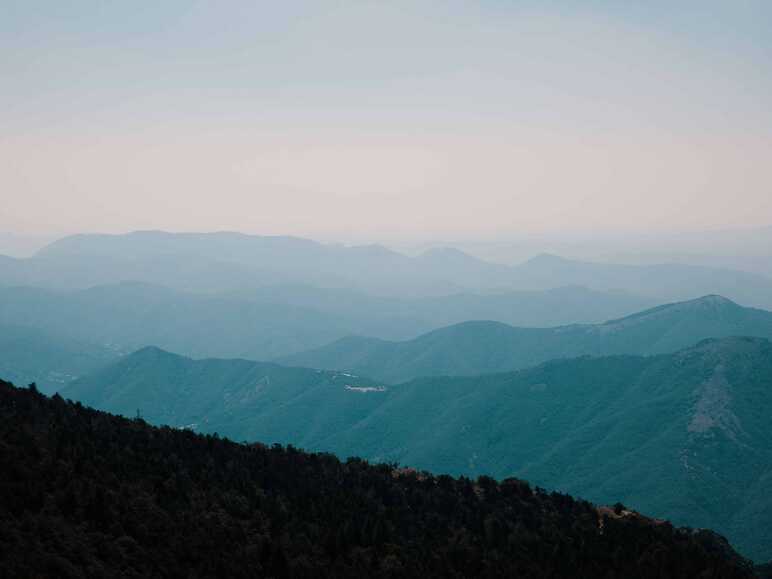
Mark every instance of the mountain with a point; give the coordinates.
(132, 315)
(216, 395)
(740, 248)
(227, 261)
(683, 436)
(672, 281)
(279, 320)
(224, 261)
(86, 494)
(542, 308)
(30, 355)
(19, 245)
(483, 347)
(412, 316)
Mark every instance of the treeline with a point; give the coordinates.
(88, 494)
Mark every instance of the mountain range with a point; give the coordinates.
(216, 262)
(683, 436)
(608, 381)
(74, 333)
(480, 347)
(279, 320)
(77, 331)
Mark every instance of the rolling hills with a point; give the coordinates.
(483, 347)
(86, 494)
(272, 321)
(684, 436)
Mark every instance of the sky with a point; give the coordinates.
(390, 120)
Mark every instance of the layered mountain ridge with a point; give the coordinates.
(277, 320)
(481, 347)
(227, 261)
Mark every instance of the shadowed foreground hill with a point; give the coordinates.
(87, 494)
(484, 347)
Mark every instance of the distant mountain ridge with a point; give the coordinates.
(272, 321)
(226, 261)
(672, 280)
(481, 347)
(684, 436)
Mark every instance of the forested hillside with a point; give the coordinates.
(682, 436)
(87, 494)
(228, 396)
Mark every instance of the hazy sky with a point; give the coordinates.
(387, 119)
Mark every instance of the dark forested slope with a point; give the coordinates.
(682, 436)
(87, 494)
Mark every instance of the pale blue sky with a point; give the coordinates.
(385, 119)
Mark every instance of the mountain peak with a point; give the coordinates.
(709, 302)
(446, 253)
(550, 259)
(152, 352)
(374, 250)
(714, 300)
(446, 250)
